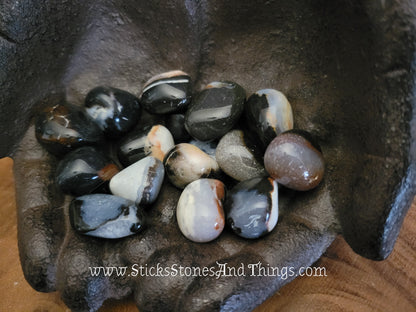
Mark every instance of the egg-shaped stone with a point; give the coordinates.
(139, 182)
(84, 170)
(153, 141)
(167, 93)
(236, 158)
(199, 211)
(295, 161)
(185, 163)
(176, 125)
(64, 127)
(105, 216)
(268, 113)
(115, 111)
(215, 110)
(251, 207)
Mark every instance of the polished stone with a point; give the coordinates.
(153, 141)
(268, 113)
(295, 161)
(84, 170)
(199, 212)
(64, 127)
(115, 111)
(176, 125)
(251, 207)
(105, 216)
(167, 93)
(215, 110)
(186, 163)
(139, 182)
(237, 159)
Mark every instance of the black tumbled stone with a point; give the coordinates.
(150, 141)
(176, 125)
(215, 110)
(167, 93)
(267, 113)
(84, 171)
(64, 127)
(115, 111)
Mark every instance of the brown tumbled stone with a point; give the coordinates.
(294, 161)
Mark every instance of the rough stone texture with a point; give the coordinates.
(236, 158)
(347, 68)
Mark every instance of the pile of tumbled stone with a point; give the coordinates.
(202, 144)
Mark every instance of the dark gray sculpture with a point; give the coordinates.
(347, 67)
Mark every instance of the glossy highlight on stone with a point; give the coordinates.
(84, 170)
(63, 127)
(139, 182)
(153, 141)
(268, 113)
(236, 159)
(167, 93)
(176, 125)
(199, 212)
(295, 161)
(115, 111)
(186, 163)
(105, 216)
(251, 207)
(215, 110)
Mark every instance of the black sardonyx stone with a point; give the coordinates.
(176, 125)
(105, 216)
(267, 113)
(115, 111)
(251, 207)
(84, 171)
(64, 127)
(132, 147)
(150, 141)
(167, 93)
(215, 110)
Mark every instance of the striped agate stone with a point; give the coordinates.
(167, 93)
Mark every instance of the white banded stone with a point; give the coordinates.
(199, 212)
(139, 182)
(105, 216)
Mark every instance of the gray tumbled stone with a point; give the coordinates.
(236, 159)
